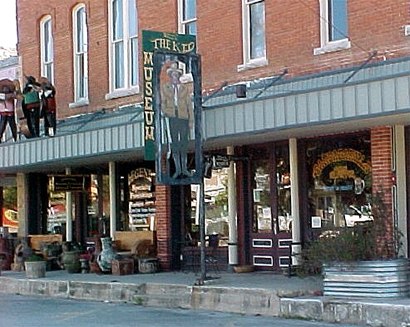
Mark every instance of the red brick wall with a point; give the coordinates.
(292, 29)
(30, 14)
(163, 224)
(381, 138)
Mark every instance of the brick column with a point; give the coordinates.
(381, 152)
(162, 213)
(22, 204)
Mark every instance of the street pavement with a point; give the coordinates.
(257, 293)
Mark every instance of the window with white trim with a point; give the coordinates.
(80, 54)
(254, 38)
(333, 26)
(187, 17)
(123, 46)
(46, 48)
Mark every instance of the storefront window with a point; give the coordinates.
(216, 203)
(56, 215)
(99, 205)
(340, 182)
(93, 210)
(261, 195)
(9, 214)
(283, 186)
(216, 206)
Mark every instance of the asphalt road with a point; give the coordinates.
(23, 311)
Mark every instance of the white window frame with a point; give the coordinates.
(80, 75)
(249, 63)
(182, 22)
(325, 44)
(128, 89)
(47, 50)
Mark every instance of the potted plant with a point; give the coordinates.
(35, 266)
(360, 261)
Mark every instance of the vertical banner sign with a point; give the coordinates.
(178, 118)
(158, 41)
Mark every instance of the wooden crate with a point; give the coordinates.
(122, 267)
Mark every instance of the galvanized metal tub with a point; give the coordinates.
(377, 278)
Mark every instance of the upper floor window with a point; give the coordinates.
(187, 16)
(80, 54)
(46, 48)
(123, 46)
(253, 29)
(333, 26)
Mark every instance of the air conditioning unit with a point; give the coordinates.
(407, 30)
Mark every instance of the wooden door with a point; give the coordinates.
(269, 194)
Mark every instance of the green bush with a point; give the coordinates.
(339, 245)
(373, 240)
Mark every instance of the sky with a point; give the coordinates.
(8, 33)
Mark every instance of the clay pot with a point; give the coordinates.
(71, 261)
(35, 269)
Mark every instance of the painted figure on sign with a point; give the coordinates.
(177, 109)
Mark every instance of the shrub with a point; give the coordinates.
(373, 240)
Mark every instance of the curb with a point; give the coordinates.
(333, 310)
(236, 300)
(248, 301)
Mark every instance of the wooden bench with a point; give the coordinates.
(129, 241)
(36, 242)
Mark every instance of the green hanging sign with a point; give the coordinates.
(158, 41)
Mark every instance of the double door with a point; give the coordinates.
(270, 230)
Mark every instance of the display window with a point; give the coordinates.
(339, 186)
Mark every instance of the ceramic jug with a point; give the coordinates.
(107, 255)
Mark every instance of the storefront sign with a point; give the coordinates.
(158, 41)
(341, 155)
(178, 118)
(68, 183)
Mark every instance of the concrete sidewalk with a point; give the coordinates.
(257, 293)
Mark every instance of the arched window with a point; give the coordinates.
(80, 54)
(46, 48)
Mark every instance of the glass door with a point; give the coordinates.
(271, 210)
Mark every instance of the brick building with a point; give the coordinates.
(310, 96)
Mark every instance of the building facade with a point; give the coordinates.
(310, 100)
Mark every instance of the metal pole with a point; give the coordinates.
(201, 205)
(294, 178)
(113, 199)
(233, 233)
(69, 213)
